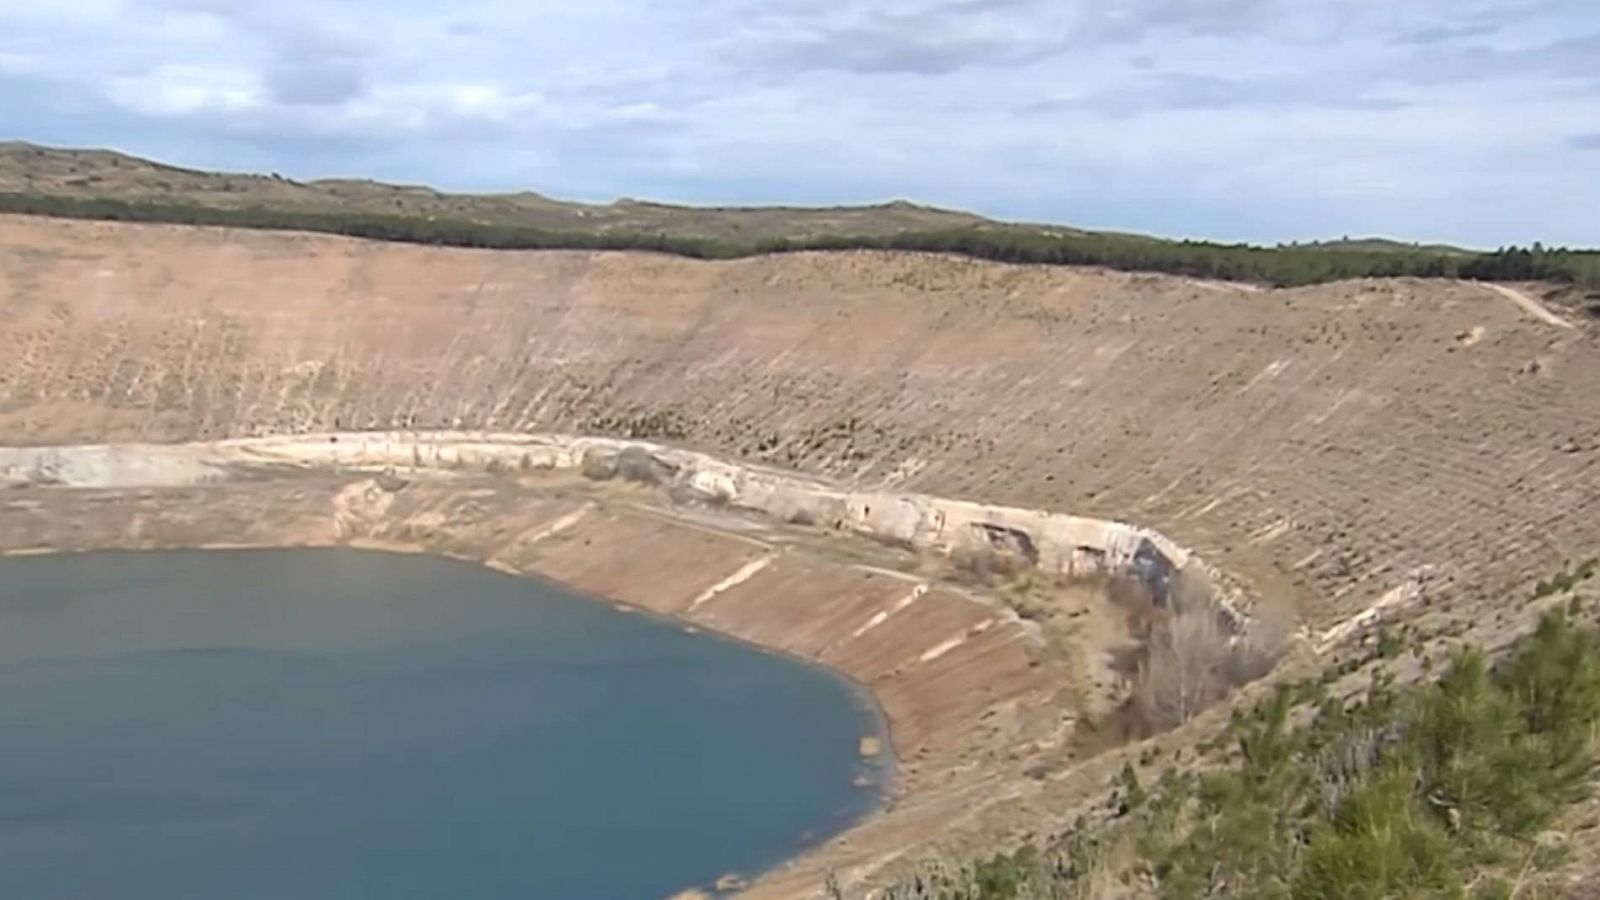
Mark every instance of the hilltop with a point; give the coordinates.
(100, 184)
(98, 174)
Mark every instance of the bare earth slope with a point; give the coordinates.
(1325, 444)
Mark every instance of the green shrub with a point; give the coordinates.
(1379, 843)
(1005, 877)
(1413, 793)
(1281, 265)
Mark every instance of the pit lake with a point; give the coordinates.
(328, 724)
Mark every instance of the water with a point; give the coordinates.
(325, 724)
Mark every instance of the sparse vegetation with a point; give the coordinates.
(661, 425)
(1281, 265)
(1565, 579)
(1193, 657)
(986, 565)
(1187, 667)
(1453, 788)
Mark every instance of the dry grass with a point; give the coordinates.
(1193, 659)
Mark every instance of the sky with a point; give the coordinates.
(1469, 121)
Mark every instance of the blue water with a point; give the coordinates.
(323, 724)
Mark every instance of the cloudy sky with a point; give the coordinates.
(1474, 121)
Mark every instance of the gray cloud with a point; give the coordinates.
(1440, 34)
(1570, 57)
(309, 65)
(938, 37)
(1237, 119)
(868, 52)
(1200, 92)
(1135, 20)
(315, 84)
(1576, 57)
(928, 38)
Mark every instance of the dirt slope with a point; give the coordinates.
(1323, 443)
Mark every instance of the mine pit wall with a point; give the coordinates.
(1356, 447)
(1053, 542)
(1321, 444)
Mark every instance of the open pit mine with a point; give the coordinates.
(927, 473)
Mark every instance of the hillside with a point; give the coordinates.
(1324, 441)
(1384, 245)
(89, 174)
(105, 185)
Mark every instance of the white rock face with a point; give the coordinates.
(1054, 542)
(112, 465)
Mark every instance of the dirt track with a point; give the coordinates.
(1533, 307)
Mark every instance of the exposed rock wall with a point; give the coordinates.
(1058, 543)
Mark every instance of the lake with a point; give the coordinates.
(351, 724)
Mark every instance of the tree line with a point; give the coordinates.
(1282, 266)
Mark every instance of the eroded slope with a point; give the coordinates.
(1323, 444)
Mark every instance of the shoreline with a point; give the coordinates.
(873, 774)
(882, 765)
(924, 776)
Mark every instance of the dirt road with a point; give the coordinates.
(1532, 306)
